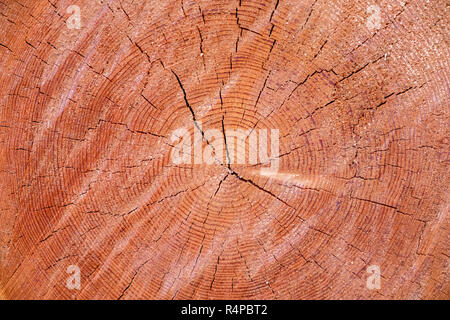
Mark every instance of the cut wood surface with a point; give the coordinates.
(93, 95)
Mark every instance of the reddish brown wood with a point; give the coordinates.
(87, 179)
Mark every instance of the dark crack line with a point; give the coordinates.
(132, 279)
(226, 144)
(228, 166)
(189, 106)
(234, 173)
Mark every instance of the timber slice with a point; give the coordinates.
(109, 110)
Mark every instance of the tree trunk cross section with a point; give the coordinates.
(245, 149)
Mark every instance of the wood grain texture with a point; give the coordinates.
(87, 179)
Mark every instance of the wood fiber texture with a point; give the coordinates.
(87, 178)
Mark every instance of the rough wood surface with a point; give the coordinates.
(86, 175)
